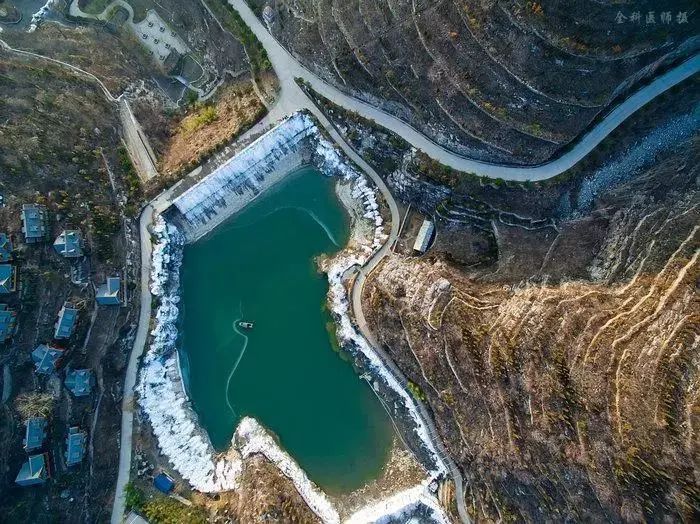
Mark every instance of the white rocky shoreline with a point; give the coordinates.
(162, 395)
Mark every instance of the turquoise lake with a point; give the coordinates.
(286, 372)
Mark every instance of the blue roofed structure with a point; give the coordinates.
(35, 223)
(46, 358)
(8, 279)
(67, 319)
(5, 248)
(164, 483)
(8, 322)
(35, 433)
(80, 382)
(108, 294)
(69, 244)
(75, 446)
(34, 471)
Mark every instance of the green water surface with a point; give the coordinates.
(259, 266)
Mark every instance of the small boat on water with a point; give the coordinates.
(245, 325)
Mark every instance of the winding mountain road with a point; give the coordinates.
(292, 98)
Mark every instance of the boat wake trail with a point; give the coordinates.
(320, 223)
(238, 361)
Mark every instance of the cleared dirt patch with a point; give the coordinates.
(206, 127)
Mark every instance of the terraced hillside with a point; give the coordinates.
(500, 80)
(571, 392)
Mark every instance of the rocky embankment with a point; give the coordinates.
(567, 390)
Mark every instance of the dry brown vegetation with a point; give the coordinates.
(58, 147)
(116, 59)
(574, 392)
(30, 405)
(264, 495)
(210, 125)
(499, 79)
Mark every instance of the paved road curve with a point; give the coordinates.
(291, 97)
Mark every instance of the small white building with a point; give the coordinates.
(268, 14)
(425, 234)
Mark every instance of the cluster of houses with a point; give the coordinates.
(36, 469)
(47, 357)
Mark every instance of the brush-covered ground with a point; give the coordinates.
(500, 80)
(560, 359)
(185, 138)
(182, 130)
(59, 146)
(263, 494)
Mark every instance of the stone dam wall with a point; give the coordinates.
(266, 161)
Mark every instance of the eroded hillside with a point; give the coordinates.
(500, 80)
(573, 392)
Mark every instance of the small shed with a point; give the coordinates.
(46, 358)
(75, 446)
(80, 382)
(268, 14)
(34, 471)
(163, 482)
(109, 293)
(425, 235)
(69, 244)
(5, 248)
(35, 220)
(8, 322)
(67, 319)
(35, 433)
(8, 279)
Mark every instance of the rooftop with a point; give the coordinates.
(164, 483)
(35, 433)
(34, 471)
(5, 248)
(8, 321)
(79, 382)
(8, 282)
(424, 235)
(69, 244)
(46, 358)
(135, 518)
(75, 446)
(65, 325)
(108, 293)
(34, 223)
